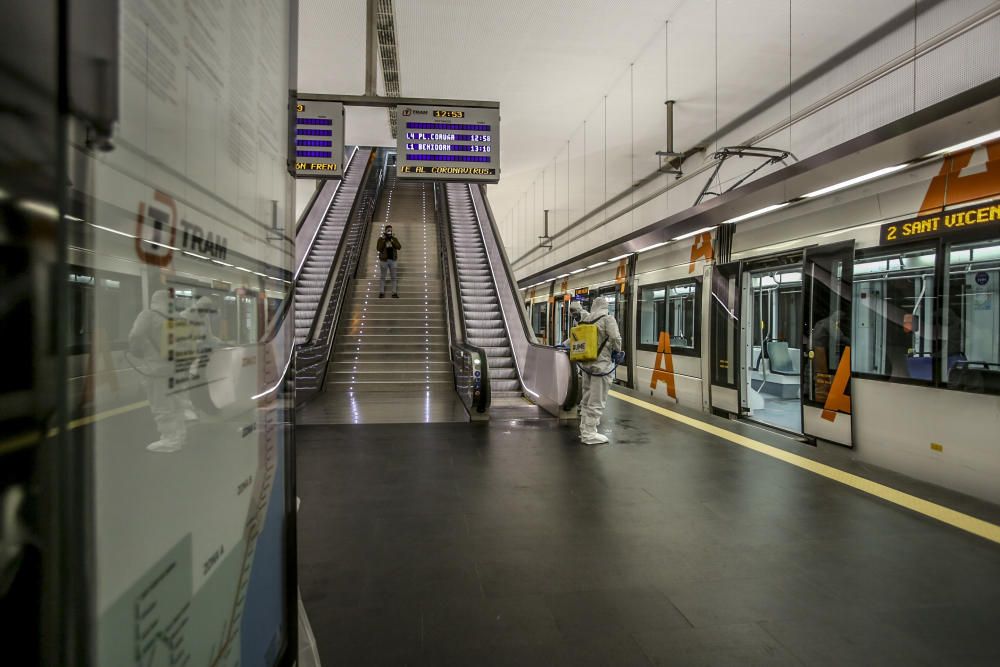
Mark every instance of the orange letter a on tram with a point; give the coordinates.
(663, 369)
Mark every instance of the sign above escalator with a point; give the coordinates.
(448, 143)
(318, 138)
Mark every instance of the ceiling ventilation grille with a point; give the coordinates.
(385, 18)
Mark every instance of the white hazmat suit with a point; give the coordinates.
(146, 342)
(596, 374)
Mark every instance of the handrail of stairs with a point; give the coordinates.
(470, 364)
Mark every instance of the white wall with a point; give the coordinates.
(719, 58)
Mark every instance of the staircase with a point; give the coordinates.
(484, 325)
(319, 261)
(396, 346)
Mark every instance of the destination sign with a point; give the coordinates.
(448, 144)
(941, 224)
(318, 140)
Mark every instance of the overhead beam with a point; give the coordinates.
(380, 101)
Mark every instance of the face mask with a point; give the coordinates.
(388, 232)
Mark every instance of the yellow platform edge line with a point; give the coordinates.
(27, 439)
(969, 524)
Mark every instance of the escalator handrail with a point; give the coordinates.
(338, 258)
(333, 199)
(456, 338)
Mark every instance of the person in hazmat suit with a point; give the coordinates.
(597, 375)
(149, 344)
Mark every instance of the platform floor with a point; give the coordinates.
(512, 544)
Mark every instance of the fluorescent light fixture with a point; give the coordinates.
(225, 264)
(73, 217)
(108, 229)
(856, 180)
(654, 246)
(694, 233)
(754, 214)
(594, 266)
(577, 271)
(39, 208)
(625, 256)
(967, 144)
(562, 275)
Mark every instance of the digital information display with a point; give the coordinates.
(941, 224)
(318, 136)
(448, 143)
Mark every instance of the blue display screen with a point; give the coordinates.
(313, 121)
(423, 157)
(314, 153)
(448, 126)
(309, 132)
(312, 142)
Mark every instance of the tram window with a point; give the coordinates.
(539, 320)
(894, 304)
(671, 308)
(971, 318)
(104, 306)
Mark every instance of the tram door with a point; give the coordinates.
(828, 277)
(726, 375)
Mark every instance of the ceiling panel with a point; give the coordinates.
(547, 63)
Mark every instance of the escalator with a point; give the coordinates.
(328, 248)
(499, 367)
(483, 317)
(318, 240)
(455, 345)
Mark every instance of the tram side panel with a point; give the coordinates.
(668, 321)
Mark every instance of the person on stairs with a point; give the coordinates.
(597, 375)
(388, 247)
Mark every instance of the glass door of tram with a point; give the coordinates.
(827, 291)
(772, 293)
(726, 373)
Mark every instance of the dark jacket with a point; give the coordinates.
(383, 252)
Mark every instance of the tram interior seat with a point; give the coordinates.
(975, 376)
(921, 367)
(778, 370)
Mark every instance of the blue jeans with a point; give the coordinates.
(387, 267)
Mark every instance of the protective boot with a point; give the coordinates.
(595, 439)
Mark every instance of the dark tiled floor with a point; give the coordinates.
(469, 544)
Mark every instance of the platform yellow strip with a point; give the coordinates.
(946, 515)
(27, 439)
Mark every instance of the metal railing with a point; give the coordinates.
(469, 362)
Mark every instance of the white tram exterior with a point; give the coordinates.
(893, 282)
